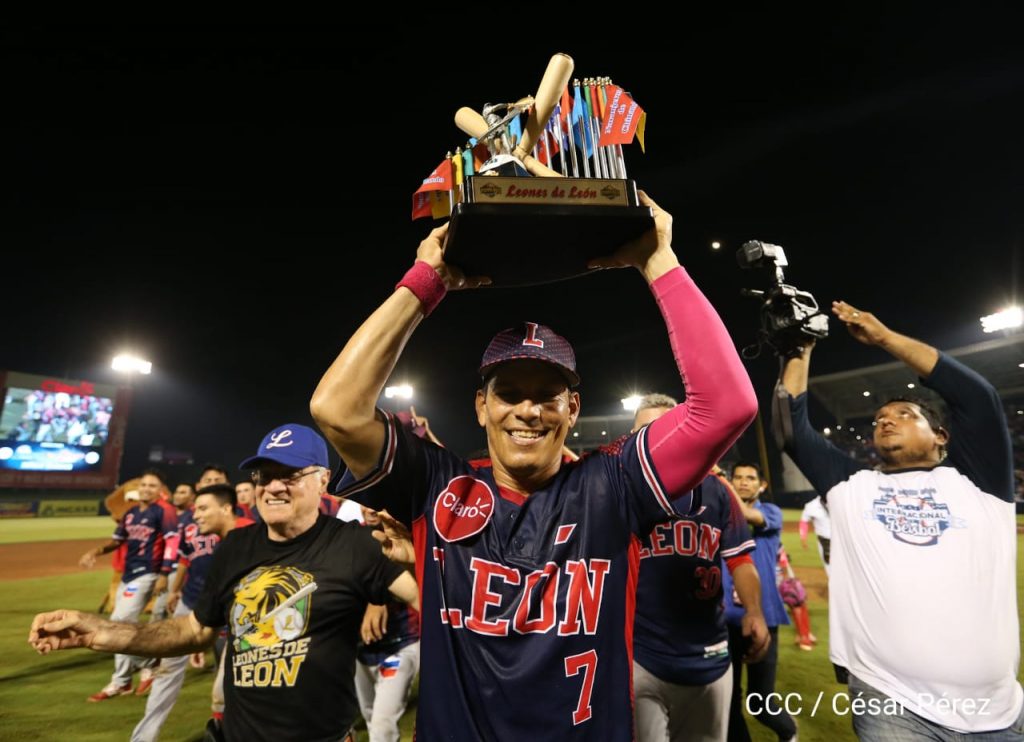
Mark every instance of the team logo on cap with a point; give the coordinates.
(463, 508)
(280, 440)
(531, 336)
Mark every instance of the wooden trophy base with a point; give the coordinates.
(527, 231)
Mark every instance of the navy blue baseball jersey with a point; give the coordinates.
(196, 550)
(680, 634)
(527, 601)
(144, 529)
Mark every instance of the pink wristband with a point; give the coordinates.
(424, 282)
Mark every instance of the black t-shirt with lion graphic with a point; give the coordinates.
(293, 610)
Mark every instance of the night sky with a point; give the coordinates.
(233, 202)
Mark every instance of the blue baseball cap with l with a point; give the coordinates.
(290, 444)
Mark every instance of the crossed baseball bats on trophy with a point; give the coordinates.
(555, 79)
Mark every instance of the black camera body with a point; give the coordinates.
(789, 317)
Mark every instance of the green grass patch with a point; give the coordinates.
(21, 530)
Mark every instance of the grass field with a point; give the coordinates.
(43, 698)
(22, 530)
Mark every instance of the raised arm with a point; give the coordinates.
(795, 371)
(343, 404)
(866, 327)
(720, 402)
(73, 629)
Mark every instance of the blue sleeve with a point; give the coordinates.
(736, 537)
(822, 463)
(120, 532)
(772, 519)
(403, 475)
(979, 443)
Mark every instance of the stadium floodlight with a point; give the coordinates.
(629, 404)
(129, 364)
(1008, 319)
(402, 391)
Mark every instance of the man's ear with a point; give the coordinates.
(574, 408)
(481, 408)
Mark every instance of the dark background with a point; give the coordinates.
(231, 202)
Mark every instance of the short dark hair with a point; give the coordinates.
(153, 473)
(225, 493)
(186, 484)
(929, 411)
(748, 464)
(213, 466)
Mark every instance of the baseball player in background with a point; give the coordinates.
(815, 516)
(145, 528)
(681, 671)
(200, 532)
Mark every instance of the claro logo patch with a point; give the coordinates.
(463, 508)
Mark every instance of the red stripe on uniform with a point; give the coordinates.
(648, 470)
(632, 577)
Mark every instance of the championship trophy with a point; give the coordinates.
(516, 219)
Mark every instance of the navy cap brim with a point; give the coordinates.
(570, 376)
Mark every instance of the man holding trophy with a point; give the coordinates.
(528, 567)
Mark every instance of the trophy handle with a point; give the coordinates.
(555, 79)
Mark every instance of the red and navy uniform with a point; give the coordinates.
(195, 550)
(402, 630)
(680, 634)
(144, 529)
(528, 599)
(329, 506)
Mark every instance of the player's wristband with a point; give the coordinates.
(424, 282)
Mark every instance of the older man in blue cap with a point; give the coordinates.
(292, 595)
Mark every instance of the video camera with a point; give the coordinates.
(789, 317)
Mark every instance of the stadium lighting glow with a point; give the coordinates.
(911, 386)
(828, 431)
(715, 245)
(575, 434)
(127, 363)
(604, 432)
(629, 404)
(1008, 319)
(867, 394)
(402, 391)
(1020, 365)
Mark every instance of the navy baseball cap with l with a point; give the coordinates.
(292, 445)
(533, 341)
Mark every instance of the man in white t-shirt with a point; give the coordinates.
(923, 603)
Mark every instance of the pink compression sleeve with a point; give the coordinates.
(720, 401)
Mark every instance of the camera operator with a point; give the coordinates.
(922, 604)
